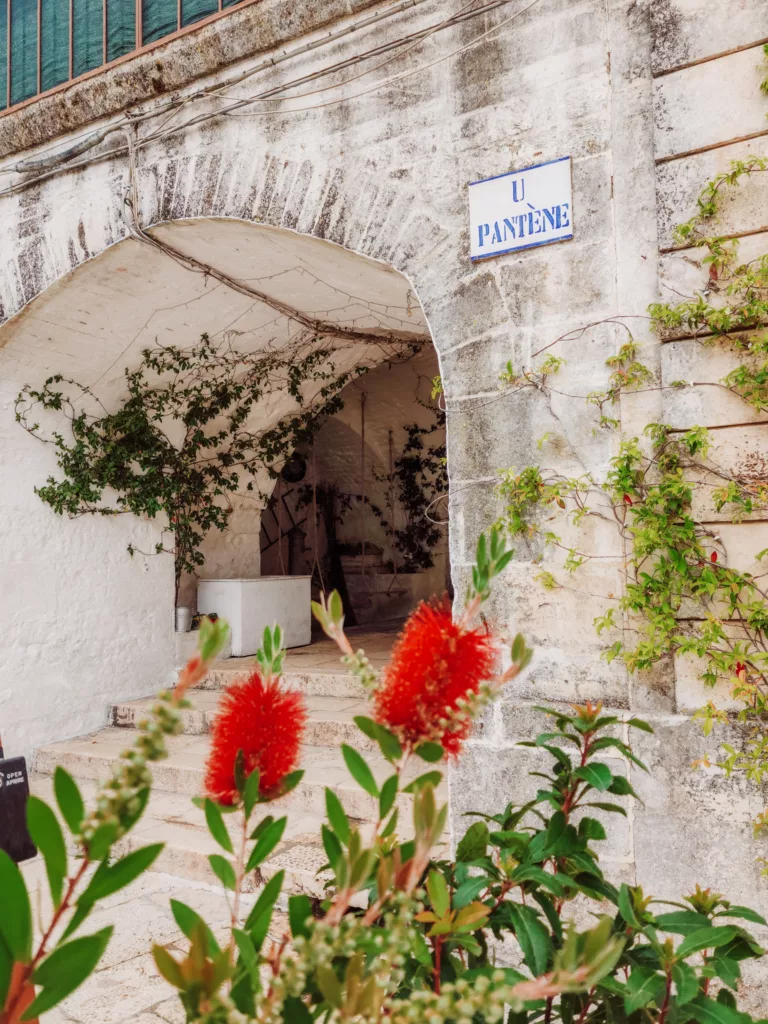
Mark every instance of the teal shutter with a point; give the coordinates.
(229, 3)
(3, 55)
(121, 28)
(158, 19)
(196, 10)
(23, 49)
(88, 36)
(54, 43)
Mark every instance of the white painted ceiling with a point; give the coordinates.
(94, 322)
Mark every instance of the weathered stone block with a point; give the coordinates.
(685, 31)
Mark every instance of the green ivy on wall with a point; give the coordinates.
(681, 598)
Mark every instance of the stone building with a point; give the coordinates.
(272, 159)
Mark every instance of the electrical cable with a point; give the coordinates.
(153, 137)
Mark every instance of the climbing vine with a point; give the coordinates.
(680, 595)
(181, 442)
(418, 480)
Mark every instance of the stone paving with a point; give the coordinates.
(127, 986)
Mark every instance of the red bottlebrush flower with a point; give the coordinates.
(713, 557)
(627, 500)
(435, 663)
(266, 723)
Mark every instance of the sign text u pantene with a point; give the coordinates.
(521, 209)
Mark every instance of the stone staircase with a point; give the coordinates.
(333, 700)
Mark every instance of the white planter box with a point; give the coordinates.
(250, 605)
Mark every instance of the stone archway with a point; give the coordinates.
(91, 625)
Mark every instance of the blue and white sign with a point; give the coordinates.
(521, 209)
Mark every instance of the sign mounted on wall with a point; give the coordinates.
(521, 209)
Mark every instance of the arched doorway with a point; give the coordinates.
(102, 621)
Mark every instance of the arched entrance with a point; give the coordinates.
(99, 622)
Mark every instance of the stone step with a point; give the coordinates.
(90, 757)
(335, 683)
(330, 721)
(174, 820)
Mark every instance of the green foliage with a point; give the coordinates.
(419, 479)
(683, 596)
(180, 443)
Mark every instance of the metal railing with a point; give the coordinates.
(47, 44)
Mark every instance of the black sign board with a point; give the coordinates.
(14, 791)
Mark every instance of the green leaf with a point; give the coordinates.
(295, 1012)
(359, 770)
(644, 986)
(474, 843)
(682, 922)
(69, 800)
(108, 879)
(102, 841)
(65, 970)
(706, 1011)
(746, 913)
(188, 919)
(266, 843)
(336, 815)
(257, 922)
(388, 795)
(331, 845)
(329, 985)
(251, 792)
(439, 896)
(533, 938)
(468, 891)
(299, 910)
(638, 723)
(46, 834)
(705, 938)
(598, 775)
(168, 967)
(591, 828)
(626, 908)
(431, 752)
(518, 648)
(387, 741)
(223, 870)
(6, 966)
(216, 826)
(261, 827)
(427, 779)
(686, 982)
(611, 808)
(16, 916)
